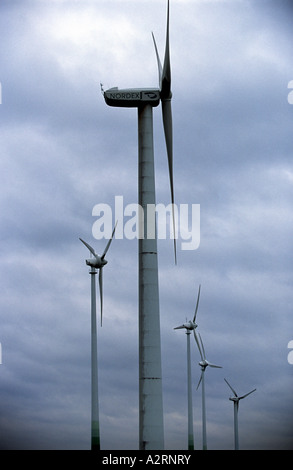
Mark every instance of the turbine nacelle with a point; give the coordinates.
(204, 364)
(188, 326)
(132, 97)
(235, 399)
(96, 262)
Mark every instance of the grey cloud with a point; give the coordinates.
(63, 151)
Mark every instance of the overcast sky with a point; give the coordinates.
(63, 150)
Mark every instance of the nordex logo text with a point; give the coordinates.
(133, 221)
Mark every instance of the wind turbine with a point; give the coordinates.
(236, 400)
(190, 326)
(203, 364)
(151, 429)
(97, 262)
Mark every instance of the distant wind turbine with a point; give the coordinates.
(203, 364)
(151, 428)
(190, 326)
(97, 262)
(236, 400)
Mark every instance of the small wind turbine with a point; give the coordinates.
(97, 262)
(236, 400)
(203, 364)
(190, 326)
(151, 427)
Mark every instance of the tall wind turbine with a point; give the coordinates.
(203, 364)
(236, 400)
(96, 262)
(151, 428)
(190, 326)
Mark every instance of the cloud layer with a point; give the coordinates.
(64, 151)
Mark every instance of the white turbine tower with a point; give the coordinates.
(96, 262)
(236, 400)
(203, 364)
(190, 326)
(151, 428)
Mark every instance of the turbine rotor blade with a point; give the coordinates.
(101, 292)
(160, 68)
(198, 345)
(196, 305)
(199, 380)
(214, 365)
(168, 131)
(203, 351)
(89, 247)
(231, 388)
(179, 327)
(166, 74)
(109, 243)
(166, 95)
(246, 395)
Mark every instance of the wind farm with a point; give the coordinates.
(151, 419)
(69, 166)
(151, 423)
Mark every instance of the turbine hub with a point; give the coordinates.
(203, 364)
(94, 262)
(235, 399)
